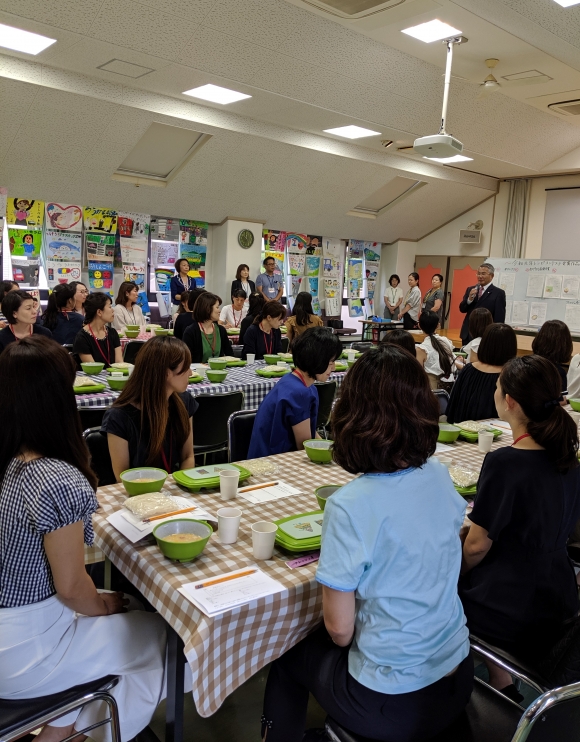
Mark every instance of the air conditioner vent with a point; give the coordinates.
(568, 107)
(353, 9)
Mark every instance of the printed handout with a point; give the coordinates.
(553, 287)
(570, 287)
(572, 316)
(507, 283)
(520, 312)
(508, 311)
(538, 310)
(535, 284)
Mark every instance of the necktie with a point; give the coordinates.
(480, 292)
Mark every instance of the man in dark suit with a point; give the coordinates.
(483, 294)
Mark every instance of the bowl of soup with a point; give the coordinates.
(324, 492)
(216, 376)
(117, 384)
(92, 368)
(271, 360)
(182, 539)
(319, 450)
(131, 333)
(217, 364)
(142, 480)
(133, 327)
(161, 331)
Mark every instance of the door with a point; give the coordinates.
(462, 273)
(426, 266)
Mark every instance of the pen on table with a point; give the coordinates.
(168, 515)
(258, 487)
(225, 579)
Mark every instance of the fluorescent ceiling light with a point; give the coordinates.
(567, 3)
(432, 31)
(23, 41)
(352, 132)
(447, 160)
(216, 94)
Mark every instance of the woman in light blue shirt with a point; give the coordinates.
(391, 661)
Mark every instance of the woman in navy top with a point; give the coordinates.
(287, 416)
(60, 316)
(20, 310)
(391, 661)
(263, 336)
(181, 281)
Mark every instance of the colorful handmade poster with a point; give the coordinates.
(311, 285)
(163, 278)
(67, 217)
(61, 272)
(312, 265)
(316, 308)
(25, 242)
(355, 308)
(331, 268)
(355, 269)
(62, 245)
(354, 287)
(296, 285)
(3, 201)
(24, 212)
(296, 263)
(25, 271)
(332, 287)
(133, 250)
(279, 260)
(103, 221)
(333, 248)
(196, 254)
(295, 243)
(100, 247)
(371, 289)
(372, 251)
(164, 253)
(134, 272)
(192, 232)
(143, 302)
(313, 245)
(131, 224)
(164, 228)
(100, 275)
(274, 240)
(356, 249)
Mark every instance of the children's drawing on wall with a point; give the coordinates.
(25, 212)
(64, 216)
(25, 243)
(100, 220)
(61, 245)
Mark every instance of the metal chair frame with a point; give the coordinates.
(218, 448)
(232, 417)
(99, 695)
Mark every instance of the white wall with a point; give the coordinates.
(533, 245)
(399, 258)
(445, 240)
(226, 254)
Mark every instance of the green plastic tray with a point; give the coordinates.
(210, 484)
(466, 490)
(272, 374)
(470, 437)
(231, 364)
(340, 367)
(195, 379)
(292, 544)
(92, 389)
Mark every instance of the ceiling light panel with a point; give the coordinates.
(352, 132)
(23, 41)
(567, 3)
(449, 160)
(216, 94)
(435, 30)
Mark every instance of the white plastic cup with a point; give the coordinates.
(350, 354)
(251, 358)
(263, 537)
(484, 441)
(228, 524)
(229, 480)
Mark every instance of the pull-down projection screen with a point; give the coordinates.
(561, 239)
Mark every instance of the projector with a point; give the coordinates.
(438, 145)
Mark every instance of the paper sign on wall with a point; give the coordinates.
(355, 308)
(192, 232)
(296, 263)
(133, 250)
(25, 271)
(103, 221)
(100, 247)
(163, 279)
(24, 212)
(25, 242)
(62, 272)
(66, 217)
(164, 228)
(132, 224)
(100, 275)
(164, 253)
(62, 245)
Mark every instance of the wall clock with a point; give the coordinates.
(246, 238)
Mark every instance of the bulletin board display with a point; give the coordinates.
(539, 290)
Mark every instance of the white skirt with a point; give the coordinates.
(46, 648)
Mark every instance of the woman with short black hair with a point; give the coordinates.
(434, 298)
(287, 416)
(231, 315)
(393, 297)
(391, 661)
(5, 287)
(181, 281)
(256, 302)
(184, 319)
(554, 342)
(479, 320)
(411, 304)
(20, 310)
(60, 316)
(205, 338)
(263, 337)
(97, 342)
(81, 293)
(242, 281)
(472, 396)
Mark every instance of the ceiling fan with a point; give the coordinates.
(491, 85)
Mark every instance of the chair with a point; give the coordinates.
(91, 418)
(443, 399)
(18, 718)
(361, 345)
(491, 717)
(100, 456)
(240, 427)
(326, 392)
(68, 347)
(131, 349)
(237, 350)
(285, 345)
(210, 421)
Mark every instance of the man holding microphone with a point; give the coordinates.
(483, 294)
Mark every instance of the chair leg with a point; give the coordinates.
(114, 714)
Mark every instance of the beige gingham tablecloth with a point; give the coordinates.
(226, 650)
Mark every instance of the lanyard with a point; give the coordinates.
(525, 435)
(131, 314)
(237, 322)
(167, 464)
(393, 295)
(106, 358)
(300, 376)
(272, 280)
(266, 337)
(16, 338)
(213, 339)
(188, 282)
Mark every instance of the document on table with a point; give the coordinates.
(520, 313)
(572, 316)
(535, 284)
(133, 528)
(538, 310)
(553, 287)
(442, 448)
(267, 494)
(227, 595)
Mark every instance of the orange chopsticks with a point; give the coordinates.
(168, 515)
(257, 487)
(225, 579)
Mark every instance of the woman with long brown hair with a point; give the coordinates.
(127, 311)
(150, 423)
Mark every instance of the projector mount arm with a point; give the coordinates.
(450, 44)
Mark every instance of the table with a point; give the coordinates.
(142, 337)
(375, 328)
(225, 651)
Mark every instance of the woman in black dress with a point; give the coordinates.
(554, 342)
(472, 394)
(242, 281)
(518, 585)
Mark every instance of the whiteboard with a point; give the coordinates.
(539, 290)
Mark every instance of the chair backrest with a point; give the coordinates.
(554, 716)
(240, 427)
(361, 346)
(100, 456)
(237, 350)
(210, 421)
(91, 418)
(131, 349)
(68, 347)
(326, 392)
(443, 399)
(285, 344)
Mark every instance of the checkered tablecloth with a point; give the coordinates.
(245, 379)
(143, 336)
(99, 400)
(225, 651)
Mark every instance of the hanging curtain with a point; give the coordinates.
(517, 215)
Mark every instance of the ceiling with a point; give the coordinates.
(67, 125)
